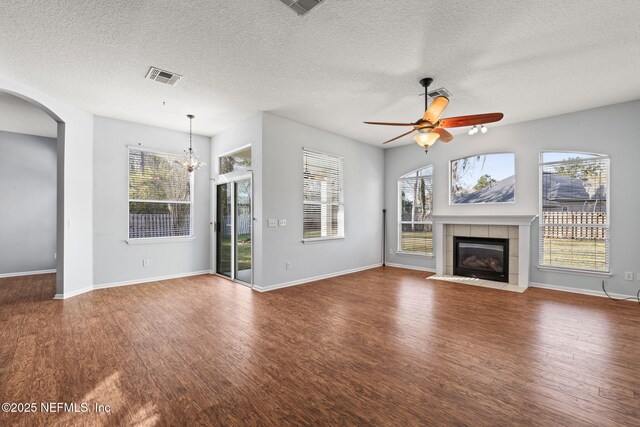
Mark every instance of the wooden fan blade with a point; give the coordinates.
(435, 110)
(389, 124)
(477, 119)
(445, 136)
(397, 137)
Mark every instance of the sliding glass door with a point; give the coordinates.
(234, 229)
(243, 230)
(224, 238)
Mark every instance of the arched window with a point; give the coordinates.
(415, 200)
(574, 211)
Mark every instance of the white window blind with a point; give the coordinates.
(415, 194)
(160, 196)
(574, 212)
(323, 198)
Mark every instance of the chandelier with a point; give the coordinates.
(191, 162)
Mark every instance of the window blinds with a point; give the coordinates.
(574, 205)
(323, 195)
(159, 195)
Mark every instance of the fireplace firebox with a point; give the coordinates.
(481, 257)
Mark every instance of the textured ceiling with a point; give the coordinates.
(342, 63)
(19, 116)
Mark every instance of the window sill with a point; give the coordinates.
(321, 239)
(152, 240)
(416, 254)
(574, 271)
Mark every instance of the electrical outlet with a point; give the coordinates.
(390, 251)
(628, 275)
(637, 277)
(287, 265)
(282, 223)
(55, 256)
(272, 222)
(146, 262)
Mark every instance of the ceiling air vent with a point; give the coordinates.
(163, 76)
(301, 7)
(439, 92)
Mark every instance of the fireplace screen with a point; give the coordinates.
(483, 258)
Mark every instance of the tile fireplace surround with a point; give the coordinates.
(517, 228)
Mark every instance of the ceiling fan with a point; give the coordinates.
(431, 127)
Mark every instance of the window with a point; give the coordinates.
(238, 161)
(160, 196)
(323, 199)
(574, 211)
(415, 193)
(485, 178)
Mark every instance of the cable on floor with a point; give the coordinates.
(637, 297)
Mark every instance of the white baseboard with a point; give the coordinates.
(578, 290)
(70, 294)
(313, 279)
(27, 273)
(293, 283)
(67, 295)
(411, 267)
(150, 279)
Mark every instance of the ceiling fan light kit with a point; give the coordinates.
(475, 129)
(426, 139)
(431, 127)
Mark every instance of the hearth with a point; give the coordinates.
(481, 257)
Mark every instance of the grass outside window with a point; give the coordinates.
(243, 252)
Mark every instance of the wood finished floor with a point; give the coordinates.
(382, 347)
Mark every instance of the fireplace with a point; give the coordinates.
(481, 257)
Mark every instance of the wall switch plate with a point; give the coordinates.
(272, 222)
(628, 275)
(146, 262)
(282, 223)
(287, 265)
(637, 277)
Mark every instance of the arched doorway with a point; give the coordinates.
(18, 101)
(74, 207)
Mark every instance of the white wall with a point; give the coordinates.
(278, 146)
(283, 141)
(28, 200)
(611, 130)
(247, 132)
(75, 172)
(19, 116)
(116, 261)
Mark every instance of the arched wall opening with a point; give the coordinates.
(28, 192)
(74, 203)
(28, 204)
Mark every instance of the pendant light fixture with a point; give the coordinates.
(191, 162)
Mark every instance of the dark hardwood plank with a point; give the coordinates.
(383, 346)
